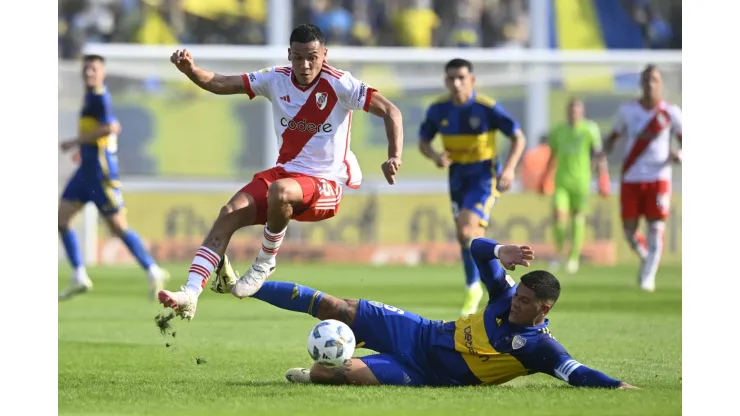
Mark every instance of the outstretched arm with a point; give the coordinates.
(555, 361)
(207, 80)
(487, 253)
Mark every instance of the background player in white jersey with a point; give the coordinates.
(312, 105)
(648, 125)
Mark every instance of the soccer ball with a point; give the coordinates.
(331, 343)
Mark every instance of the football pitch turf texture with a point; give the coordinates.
(114, 361)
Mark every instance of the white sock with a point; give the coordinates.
(654, 253)
(204, 263)
(155, 272)
(271, 244)
(79, 275)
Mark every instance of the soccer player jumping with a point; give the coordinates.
(312, 106)
(508, 339)
(648, 124)
(468, 122)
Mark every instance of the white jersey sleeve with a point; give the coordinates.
(619, 122)
(257, 83)
(674, 112)
(354, 94)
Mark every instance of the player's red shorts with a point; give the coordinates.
(649, 199)
(321, 197)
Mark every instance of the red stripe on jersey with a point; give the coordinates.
(326, 66)
(330, 73)
(346, 149)
(369, 97)
(310, 114)
(283, 70)
(655, 126)
(247, 87)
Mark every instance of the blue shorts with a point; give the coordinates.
(105, 194)
(400, 337)
(475, 190)
(478, 197)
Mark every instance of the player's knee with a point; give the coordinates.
(343, 310)
(467, 232)
(281, 192)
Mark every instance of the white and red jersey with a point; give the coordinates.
(313, 122)
(648, 135)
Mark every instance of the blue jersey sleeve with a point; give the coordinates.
(500, 120)
(491, 273)
(551, 358)
(102, 108)
(428, 128)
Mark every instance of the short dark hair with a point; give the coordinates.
(649, 68)
(544, 284)
(306, 33)
(93, 57)
(459, 63)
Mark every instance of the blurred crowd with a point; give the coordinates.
(418, 23)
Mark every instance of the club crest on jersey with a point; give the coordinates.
(518, 342)
(474, 122)
(321, 99)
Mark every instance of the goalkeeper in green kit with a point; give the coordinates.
(575, 151)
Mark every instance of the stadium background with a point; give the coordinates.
(183, 152)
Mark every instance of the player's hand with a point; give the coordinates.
(183, 60)
(390, 168)
(442, 160)
(511, 255)
(625, 386)
(68, 145)
(604, 185)
(505, 180)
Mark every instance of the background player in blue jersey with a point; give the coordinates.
(507, 339)
(468, 122)
(96, 181)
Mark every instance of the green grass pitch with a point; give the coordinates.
(113, 360)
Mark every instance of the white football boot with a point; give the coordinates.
(253, 279)
(76, 287)
(183, 302)
(298, 375)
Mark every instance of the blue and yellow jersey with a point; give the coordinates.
(469, 130)
(485, 348)
(99, 159)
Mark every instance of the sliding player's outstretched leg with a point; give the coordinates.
(239, 212)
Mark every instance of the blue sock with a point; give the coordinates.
(136, 247)
(290, 296)
(72, 247)
(472, 275)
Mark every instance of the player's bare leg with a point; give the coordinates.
(282, 196)
(649, 267)
(635, 239)
(158, 277)
(469, 228)
(80, 282)
(239, 212)
(353, 372)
